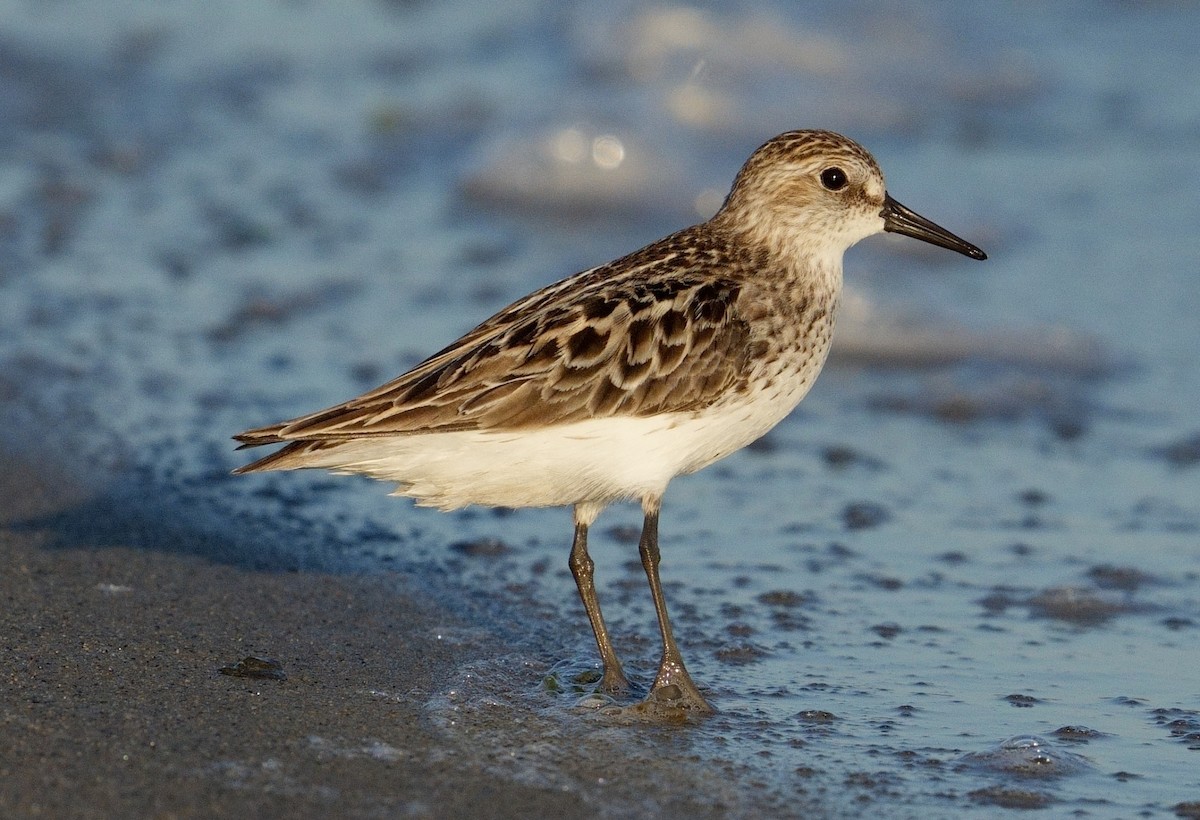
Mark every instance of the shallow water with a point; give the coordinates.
(949, 582)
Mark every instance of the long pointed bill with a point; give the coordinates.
(898, 219)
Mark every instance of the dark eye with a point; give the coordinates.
(833, 178)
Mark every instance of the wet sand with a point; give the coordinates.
(115, 705)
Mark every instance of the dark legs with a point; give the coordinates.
(614, 679)
(672, 684)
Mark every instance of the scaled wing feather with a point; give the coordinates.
(617, 340)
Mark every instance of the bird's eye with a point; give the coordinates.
(833, 178)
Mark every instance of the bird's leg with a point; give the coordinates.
(672, 684)
(614, 679)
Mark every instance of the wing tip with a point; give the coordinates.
(275, 461)
(260, 437)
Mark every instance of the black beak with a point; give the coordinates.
(898, 219)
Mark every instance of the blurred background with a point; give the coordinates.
(218, 215)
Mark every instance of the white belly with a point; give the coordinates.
(598, 460)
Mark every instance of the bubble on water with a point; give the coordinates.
(1026, 757)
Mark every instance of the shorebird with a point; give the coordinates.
(608, 384)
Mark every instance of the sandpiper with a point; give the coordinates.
(609, 383)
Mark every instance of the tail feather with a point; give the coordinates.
(291, 457)
(261, 436)
(299, 452)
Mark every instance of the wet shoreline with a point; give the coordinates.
(117, 706)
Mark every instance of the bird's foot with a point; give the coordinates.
(673, 688)
(614, 682)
